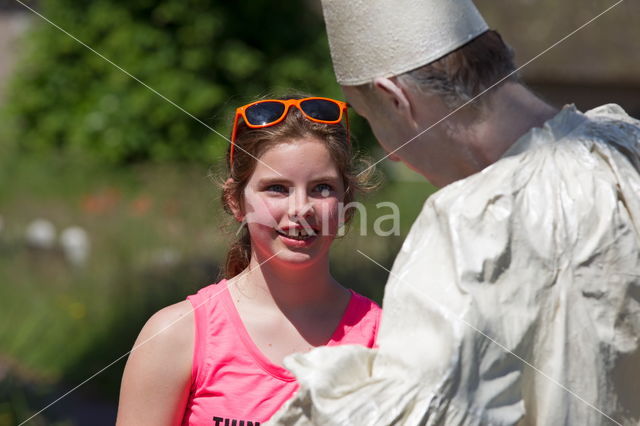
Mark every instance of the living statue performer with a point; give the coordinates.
(516, 296)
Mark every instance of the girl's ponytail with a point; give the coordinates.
(239, 255)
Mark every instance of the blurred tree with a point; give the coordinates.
(208, 57)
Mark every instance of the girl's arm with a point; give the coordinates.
(157, 377)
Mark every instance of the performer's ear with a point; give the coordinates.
(395, 95)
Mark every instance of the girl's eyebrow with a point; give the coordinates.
(283, 179)
(273, 179)
(330, 178)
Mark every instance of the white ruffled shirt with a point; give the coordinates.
(515, 298)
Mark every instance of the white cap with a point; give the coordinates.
(383, 38)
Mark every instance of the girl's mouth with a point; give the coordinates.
(299, 234)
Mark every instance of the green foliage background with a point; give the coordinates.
(84, 144)
(207, 57)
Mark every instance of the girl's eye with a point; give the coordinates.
(276, 188)
(324, 189)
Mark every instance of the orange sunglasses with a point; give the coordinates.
(269, 112)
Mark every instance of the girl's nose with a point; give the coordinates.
(300, 205)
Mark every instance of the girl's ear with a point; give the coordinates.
(234, 204)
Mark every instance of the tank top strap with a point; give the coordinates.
(206, 304)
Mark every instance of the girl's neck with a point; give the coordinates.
(290, 288)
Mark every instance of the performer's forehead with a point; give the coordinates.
(383, 38)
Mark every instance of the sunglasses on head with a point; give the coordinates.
(269, 112)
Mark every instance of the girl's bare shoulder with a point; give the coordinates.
(171, 325)
(158, 371)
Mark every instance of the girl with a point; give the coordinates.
(216, 358)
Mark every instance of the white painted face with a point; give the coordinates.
(395, 132)
(383, 130)
(408, 126)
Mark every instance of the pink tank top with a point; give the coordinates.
(232, 382)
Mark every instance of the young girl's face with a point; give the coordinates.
(293, 210)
